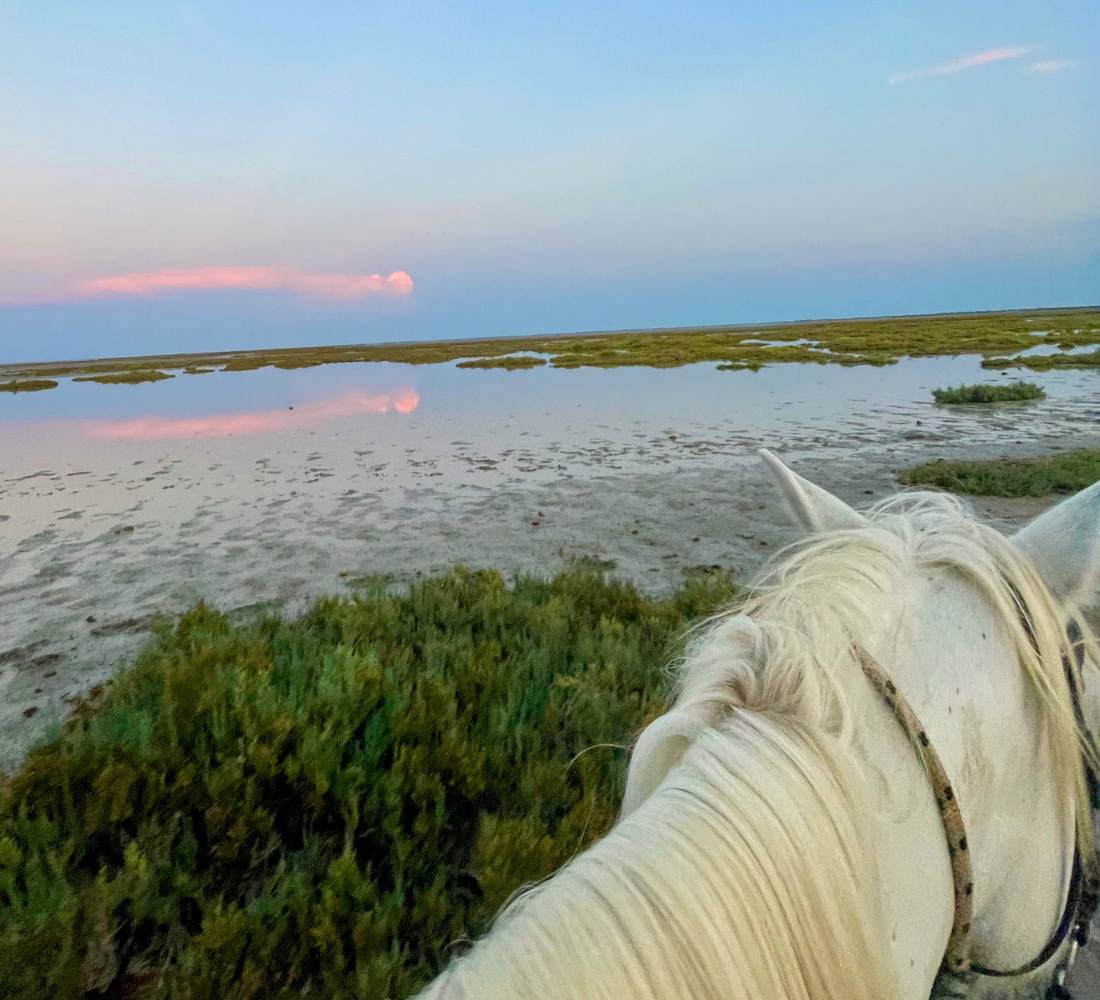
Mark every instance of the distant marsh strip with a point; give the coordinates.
(884, 341)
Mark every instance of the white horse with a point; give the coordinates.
(779, 837)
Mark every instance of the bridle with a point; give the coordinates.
(1083, 895)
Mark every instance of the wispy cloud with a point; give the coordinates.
(971, 61)
(333, 286)
(1053, 65)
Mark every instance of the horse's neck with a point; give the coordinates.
(958, 669)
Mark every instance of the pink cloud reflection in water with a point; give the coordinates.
(349, 404)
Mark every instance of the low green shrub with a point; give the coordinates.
(989, 393)
(1061, 472)
(326, 806)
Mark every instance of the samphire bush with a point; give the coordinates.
(327, 806)
(1039, 476)
(985, 393)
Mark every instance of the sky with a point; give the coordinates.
(202, 176)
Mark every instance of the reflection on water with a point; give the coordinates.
(348, 404)
(499, 423)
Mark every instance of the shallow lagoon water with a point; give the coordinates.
(86, 449)
(428, 408)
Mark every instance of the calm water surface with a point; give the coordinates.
(440, 412)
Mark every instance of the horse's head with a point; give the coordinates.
(779, 835)
(1017, 817)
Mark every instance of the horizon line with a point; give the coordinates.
(5, 366)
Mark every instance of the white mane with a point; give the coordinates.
(738, 866)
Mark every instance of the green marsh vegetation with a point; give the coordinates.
(1046, 362)
(132, 377)
(989, 393)
(509, 362)
(28, 385)
(1061, 472)
(324, 806)
(844, 342)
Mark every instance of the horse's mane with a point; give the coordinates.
(738, 866)
(786, 648)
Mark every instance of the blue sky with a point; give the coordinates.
(199, 176)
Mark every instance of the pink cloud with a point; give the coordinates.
(351, 404)
(971, 61)
(1053, 65)
(335, 286)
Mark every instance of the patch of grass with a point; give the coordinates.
(989, 393)
(28, 385)
(126, 378)
(738, 348)
(1061, 472)
(323, 806)
(509, 362)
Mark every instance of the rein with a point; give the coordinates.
(1083, 895)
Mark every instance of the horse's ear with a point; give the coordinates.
(813, 508)
(1064, 545)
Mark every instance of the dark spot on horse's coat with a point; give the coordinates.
(962, 844)
(948, 793)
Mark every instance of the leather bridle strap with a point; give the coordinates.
(1083, 896)
(957, 957)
